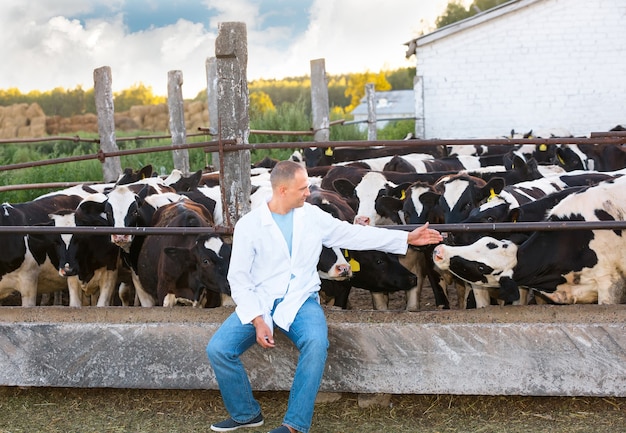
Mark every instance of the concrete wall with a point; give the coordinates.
(533, 350)
(547, 64)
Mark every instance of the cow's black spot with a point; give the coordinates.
(509, 291)
(469, 270)
(603, 215)
(492, 246)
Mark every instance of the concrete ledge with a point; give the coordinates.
(534, 350)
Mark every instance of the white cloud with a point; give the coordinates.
(44, 48)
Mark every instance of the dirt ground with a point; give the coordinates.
(55, 410)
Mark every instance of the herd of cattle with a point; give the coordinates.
(396, 185)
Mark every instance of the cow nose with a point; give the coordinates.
(66, 271)
(344, 270)
(122, 241)
(362, 220)
(438, 253)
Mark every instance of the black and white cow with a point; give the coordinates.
(123, 203)
(598, 157)
(28, 263)
(316, 156)
(332, 264)
(585, 266)
(90, 262)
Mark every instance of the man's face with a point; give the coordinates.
(297, 190)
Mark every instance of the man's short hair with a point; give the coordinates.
(283, 172)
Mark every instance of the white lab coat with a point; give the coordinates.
(261, 269)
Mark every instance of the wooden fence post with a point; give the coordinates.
(112, 166)
(211, 90)
(371, 111)
(231, 51)
(420, 122)
(176, 107)
(319, 101)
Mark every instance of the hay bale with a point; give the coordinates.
(17, 110)
(33, 111)
(194, 107)
(24, 132)
(8, 132)
(52, 125)
(126, 123)
(38, 126)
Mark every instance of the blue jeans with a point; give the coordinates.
(308, 332)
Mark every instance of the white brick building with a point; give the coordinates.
(528, 64)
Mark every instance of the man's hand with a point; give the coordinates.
(263, 333)
(424, 236)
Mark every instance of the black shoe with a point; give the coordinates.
(230, 424)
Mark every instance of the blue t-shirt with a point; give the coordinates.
(285, 224)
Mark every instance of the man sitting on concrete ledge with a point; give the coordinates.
(274, 282)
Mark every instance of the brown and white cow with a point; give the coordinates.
(187, 268)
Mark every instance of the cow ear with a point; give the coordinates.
(494, 186)
(400, 190)
(344, 187)
(509, 291)
(179, 255)
(195, 179)
(145, 172)
(518, 162)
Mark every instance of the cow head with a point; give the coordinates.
(63, 246)
(314, 155)
(462, 193)
(421, 204)
(380, 272)
(122, 210)
(131, 176)
(331, 202)
(333, 265)
(364, 195)
(488, 262)
(207, 261)
(571, 158)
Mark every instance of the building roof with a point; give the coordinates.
(472, 21)
(393, 102)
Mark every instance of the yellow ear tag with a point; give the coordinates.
(356, 266)
(403, 195)
(492, 194)
(561, 160)
(329, 151)
(543, 147)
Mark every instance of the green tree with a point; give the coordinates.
(260, 102)
(401, 79)
(456, 12)
(356, 86)
(138, 94)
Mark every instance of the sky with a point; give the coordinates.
(48, 44)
